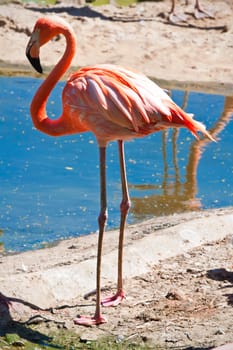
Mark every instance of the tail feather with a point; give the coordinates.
(180, 118)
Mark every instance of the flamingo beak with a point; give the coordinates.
(35, 62)
(32, 53)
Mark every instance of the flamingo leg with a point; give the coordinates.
(124, 209)
(98, 318)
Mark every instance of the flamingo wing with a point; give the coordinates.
(116, 103)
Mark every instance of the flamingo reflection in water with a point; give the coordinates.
(177, 197)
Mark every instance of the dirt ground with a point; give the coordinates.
(178, 281)
(178, 270)
(139, 36)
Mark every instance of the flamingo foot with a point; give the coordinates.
(175, 18)
(113, 300)
(88, 321)
(200, 13)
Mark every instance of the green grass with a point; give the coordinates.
(67, 340)
(40, 2)
(118, 2)
(95, 2)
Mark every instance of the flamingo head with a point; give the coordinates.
(44, 30)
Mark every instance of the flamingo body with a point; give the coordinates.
(115, 104)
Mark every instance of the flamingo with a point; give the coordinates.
(115, 104)
(198, 13)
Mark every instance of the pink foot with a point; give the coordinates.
(83, 320)
(177, 18)
(113, 300)
(199, 14)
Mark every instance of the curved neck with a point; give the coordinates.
(38, 106)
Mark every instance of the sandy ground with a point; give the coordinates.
(138, 36)
(178, 269)
(177, 274)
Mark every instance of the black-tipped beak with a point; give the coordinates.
(33, 51)
(35, 62)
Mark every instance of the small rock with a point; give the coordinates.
(119, 338)
(219, 332)
(175, 295)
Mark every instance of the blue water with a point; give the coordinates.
(50, 186)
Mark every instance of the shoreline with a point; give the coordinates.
(69, 255)
(157, 223)
(218, 88)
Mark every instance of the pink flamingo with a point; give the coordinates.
(198, 13)
(115, 104)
